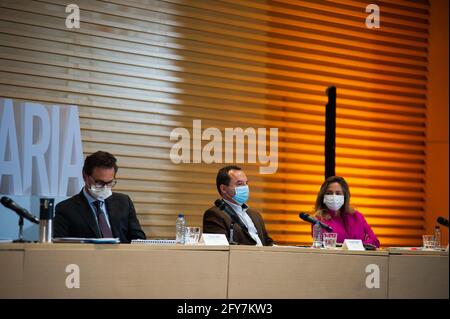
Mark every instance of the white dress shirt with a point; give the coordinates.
(248, 222)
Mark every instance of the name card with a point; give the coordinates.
(214, 240)
(353, 244)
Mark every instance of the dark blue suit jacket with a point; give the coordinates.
(74, 218)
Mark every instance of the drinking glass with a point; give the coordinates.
(428, 242)
(329, 240)
(192, 235)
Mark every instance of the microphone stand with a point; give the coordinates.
(21, 240)
(232, 242)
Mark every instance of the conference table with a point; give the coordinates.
(218, 272)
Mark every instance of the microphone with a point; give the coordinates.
(312, 220)
(443, 221)
(22, 212)
(220, 203)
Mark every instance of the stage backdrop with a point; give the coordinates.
(138, 70)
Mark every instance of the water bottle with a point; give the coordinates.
(317, 236)
(437, 237)
(180, 229)
(45, 220)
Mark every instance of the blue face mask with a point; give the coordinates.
(242, 193)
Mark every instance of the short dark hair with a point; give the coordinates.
(99, 159)
(223, 177)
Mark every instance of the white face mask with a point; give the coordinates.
(333, 202)
(100, 193)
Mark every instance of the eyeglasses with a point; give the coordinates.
(101, 184)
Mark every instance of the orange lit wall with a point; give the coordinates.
(437, 120)
(381, 80)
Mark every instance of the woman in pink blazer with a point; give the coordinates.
(333, 208)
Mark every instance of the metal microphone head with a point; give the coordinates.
(219, 203)
(5, 201)
(443, 221)
(303, 216)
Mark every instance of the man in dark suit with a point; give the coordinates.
(231, 216)
(97, 212)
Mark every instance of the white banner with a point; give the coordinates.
(40, 149)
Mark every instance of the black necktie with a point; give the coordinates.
(101, 218)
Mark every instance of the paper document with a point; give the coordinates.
(86, 240)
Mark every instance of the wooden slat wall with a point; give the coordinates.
(139, 69)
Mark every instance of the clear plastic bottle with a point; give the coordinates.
(180, 227)
(437, 237)
(317, 236)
